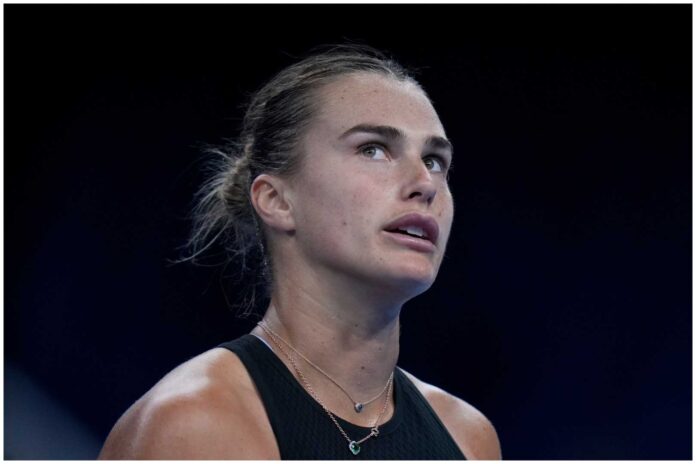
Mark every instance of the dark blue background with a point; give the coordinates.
(563, 307)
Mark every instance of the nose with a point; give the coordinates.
(420, 185)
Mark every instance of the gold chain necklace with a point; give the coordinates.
(353, 445)
(357, 405)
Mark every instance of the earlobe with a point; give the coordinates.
(268, 197)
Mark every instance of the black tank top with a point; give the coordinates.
(303, 430)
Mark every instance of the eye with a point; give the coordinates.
(435, 163)
(373, 151)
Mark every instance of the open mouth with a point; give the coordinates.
(416, 228)
(411, 231)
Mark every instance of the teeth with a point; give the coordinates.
(413, 230)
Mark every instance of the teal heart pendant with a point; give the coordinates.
(354, 448)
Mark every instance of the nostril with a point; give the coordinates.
(429, 196)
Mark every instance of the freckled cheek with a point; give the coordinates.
(347, 232)
(344, 209)
(335, 218)
(352, 223)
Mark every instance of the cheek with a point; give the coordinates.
(445, 216)
(331, 213)
(353, 216)
(342, 204)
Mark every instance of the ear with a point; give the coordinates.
(268, 197)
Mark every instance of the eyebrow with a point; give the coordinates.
(392, 133)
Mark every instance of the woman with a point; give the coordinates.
(339, 179)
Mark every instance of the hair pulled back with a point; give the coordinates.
(274, 123)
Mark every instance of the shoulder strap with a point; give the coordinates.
(422, 416)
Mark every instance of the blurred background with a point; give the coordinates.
(563, 308)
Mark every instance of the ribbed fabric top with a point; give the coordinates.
(303, 430)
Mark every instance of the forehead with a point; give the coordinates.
(370, 98)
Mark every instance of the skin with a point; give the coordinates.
(340, 283)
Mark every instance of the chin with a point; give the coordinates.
(406, 289)
(413, 281)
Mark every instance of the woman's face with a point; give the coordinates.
(374, 169)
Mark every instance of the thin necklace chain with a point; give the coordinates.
(357, 405)
(353, 445)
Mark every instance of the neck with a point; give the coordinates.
(352, 336)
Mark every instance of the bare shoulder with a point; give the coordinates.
(471, 430)
(206, 408)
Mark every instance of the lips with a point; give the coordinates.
(415, 225)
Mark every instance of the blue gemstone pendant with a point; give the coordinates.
(354, 448)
